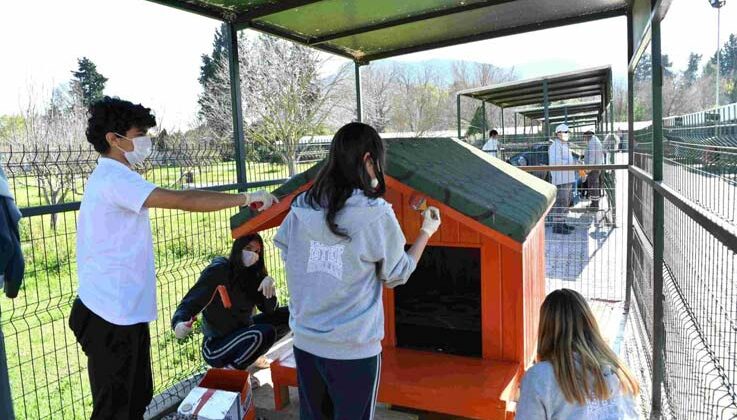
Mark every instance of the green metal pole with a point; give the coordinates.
(565, 110)
(546, 105)
(630, 163)
(483, 111)
(611, 116)
(503, 134)
(658, 224)
(359, 101)
(237, 107)
(458, 114)
(515, 123)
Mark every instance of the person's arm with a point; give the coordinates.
(204, 201)
(199, 295)
(395, 265)
(530, 405)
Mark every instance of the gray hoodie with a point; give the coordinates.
(335, 284)
(541, 398)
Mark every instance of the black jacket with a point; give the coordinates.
(218, 321)
(12, 265)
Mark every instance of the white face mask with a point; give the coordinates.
(141, 150)
(564, 136)
(374, 183)
(249, 258)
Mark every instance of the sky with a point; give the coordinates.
(152, 54)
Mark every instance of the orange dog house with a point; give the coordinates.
(460, 333)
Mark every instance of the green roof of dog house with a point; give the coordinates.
(488, 190)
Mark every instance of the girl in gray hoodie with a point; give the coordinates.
(577, 375)
(341, 243)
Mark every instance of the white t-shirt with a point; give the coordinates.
(491, 146)
(115, 255)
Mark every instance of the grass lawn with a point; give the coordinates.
(47, 368)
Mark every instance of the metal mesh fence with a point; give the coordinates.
(46, 366)
(699, 290)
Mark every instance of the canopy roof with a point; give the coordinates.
(366, 30)
(487, 190)
(591, 107)
(577, 84)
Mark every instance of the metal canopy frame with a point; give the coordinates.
(580, 84)
(562, 110)
(368, 30)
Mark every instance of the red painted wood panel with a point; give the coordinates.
(512, 294)
(492, 315)
(390, 331)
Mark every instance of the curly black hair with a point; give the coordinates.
(117, 116)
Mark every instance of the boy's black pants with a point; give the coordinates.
(118, 364)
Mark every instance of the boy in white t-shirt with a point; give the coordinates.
(115, 258)
(492, 145)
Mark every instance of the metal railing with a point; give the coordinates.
(698, 290)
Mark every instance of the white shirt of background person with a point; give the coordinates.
(492, 145)
(594, 150)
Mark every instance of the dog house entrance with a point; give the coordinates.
(439, 309)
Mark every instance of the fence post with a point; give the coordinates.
(546, 105)
(630, 163)
(658, 223)
(236, 106)
(484, 127)
(359, 100)
(458, 114)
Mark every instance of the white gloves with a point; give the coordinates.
(182, 330)
(267, 287)
(263, 198)
(430, 220)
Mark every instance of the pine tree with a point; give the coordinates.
(88, 82)
(477, 123)
(691, 73)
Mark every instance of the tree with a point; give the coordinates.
(50, 144)
(477, 123)
(214, 100)
(87, 82)
(420, 102)
(691, 72)
(378, 83)
(283, 96)
(644, 69)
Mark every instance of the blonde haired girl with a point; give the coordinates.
(577, 375)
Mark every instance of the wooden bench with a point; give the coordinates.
(461, 386)
(283, 375)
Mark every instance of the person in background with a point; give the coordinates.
(233, 337)
(115, 257)
(576, 374)
(492, 145)
(341, 244)
(611, 145)
(595, 155)
(559, 153)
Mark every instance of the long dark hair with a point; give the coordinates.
(345, 171)
(236, 257)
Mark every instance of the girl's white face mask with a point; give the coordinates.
(141, 150)
(249, 258)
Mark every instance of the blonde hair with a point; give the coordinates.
(568, 328)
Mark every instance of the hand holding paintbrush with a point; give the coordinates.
(430, 215)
